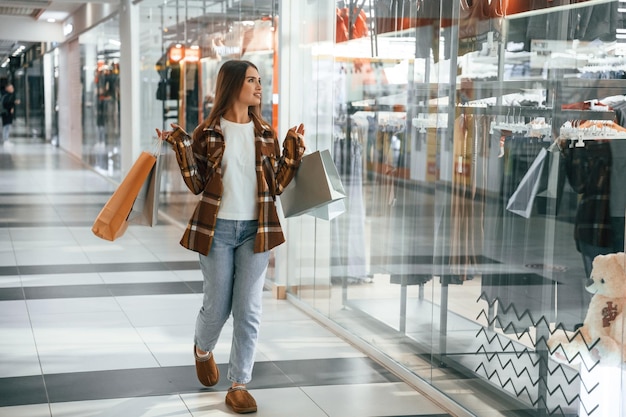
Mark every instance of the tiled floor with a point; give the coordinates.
(96, 328)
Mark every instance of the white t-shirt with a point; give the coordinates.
(239, 199)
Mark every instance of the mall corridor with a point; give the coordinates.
(96, 328)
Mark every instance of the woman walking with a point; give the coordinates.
(233, 158)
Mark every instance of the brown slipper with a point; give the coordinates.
(206, 369)
(240, 401)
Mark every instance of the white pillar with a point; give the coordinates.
(49, 112)
(130, 126)
(70, 99)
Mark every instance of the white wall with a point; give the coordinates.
(26, 29)
(130, 122)
(70, 99)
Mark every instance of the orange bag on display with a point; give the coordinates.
(112, 221)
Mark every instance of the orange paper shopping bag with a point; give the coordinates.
(112, 221)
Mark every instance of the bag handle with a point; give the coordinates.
(157, 145)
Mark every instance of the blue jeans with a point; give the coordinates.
(6, 132)
(233, 283)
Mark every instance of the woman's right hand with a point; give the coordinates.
(166, 134)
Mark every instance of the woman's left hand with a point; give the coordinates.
(300, 131)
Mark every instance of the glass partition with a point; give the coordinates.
(100, 60)
(479, 146)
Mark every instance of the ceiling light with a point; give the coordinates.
(29, 3)
(68, 29)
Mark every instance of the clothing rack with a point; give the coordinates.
(592, 130)
(425, 121)
(535, 128)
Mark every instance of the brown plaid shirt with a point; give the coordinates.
(200, 166)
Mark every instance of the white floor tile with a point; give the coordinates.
(190, 275)
(162, 406)
(131, 277)
(123, 250)
(86, 328)
(42, 308)
(179, 350)
(14, 311)
(94, 357)
(15, 335)
(40, 237)
(179, 333)
(9, 281)
(18, 360)
(299, 340)
(51, 255)
(280, 310)
(167, 255)
(174, 354)
(390, 399)
(102, 333)
(36, 410)
(7, 257)
(61, 279)
(210, 404)
(161, 310)
(20, 199)
(80, 199)
(283, 402)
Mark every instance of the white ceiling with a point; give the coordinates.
(31, 12)
(28, 22)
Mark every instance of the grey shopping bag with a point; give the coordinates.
(145, 209)
(112, 221)
(316, 189)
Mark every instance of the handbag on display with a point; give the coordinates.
(316, 188)
(134, 201)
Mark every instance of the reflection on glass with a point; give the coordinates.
(460, 249)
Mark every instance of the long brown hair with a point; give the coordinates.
(230, 79)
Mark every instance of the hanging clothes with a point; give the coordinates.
(588, 170)
(467, 203)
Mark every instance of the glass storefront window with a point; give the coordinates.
(99, 58)
(479, 145)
